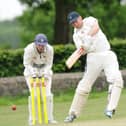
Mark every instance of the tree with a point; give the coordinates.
(51, 15)
(60, 11)
(37, 18)
(62, 30)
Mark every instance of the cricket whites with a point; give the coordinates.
(39, 110)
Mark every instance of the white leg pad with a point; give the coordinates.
(29, 108)
(114, 98)
(109, 92)
(79, 101)
(50, 107)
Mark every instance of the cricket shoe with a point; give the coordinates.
(109, 113)
(52, 122)
(70, 118)
(30, 123)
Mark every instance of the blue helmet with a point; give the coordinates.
(41, 39)
(72, 16)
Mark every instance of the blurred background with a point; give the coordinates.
(21, 20)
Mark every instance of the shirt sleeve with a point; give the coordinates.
(82, 41)
(27, 59)
(77, 40)
(49, 63)
(81, 37)
(90, 21)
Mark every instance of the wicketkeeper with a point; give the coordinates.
(100, 57)
(38, 61)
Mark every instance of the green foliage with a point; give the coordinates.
(111, 16)
(11, 61)
(119, 46)
(62, 52)
(37, 19)
(38, 22)
(40, 16)
(10, 34)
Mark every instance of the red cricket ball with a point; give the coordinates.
(13, 107)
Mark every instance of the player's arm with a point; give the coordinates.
(50, 55)
(94, 28)
(78, 41)
(28, 61)
(27, 58)
(49, 62)
(86, 38)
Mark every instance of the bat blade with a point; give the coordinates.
(74, 57)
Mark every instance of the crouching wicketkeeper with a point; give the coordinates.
(38, 60)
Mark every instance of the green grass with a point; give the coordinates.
(9, 100)
(92, 114)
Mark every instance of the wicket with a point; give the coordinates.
(38, 89)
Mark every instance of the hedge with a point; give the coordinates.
(11, 61)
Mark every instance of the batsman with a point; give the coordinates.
(38, 61)
(89, 36)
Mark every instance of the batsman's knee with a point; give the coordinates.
(83, 91)
(83, 88)
(116, 80)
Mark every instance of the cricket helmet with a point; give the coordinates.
(72, 16)
(41, 39)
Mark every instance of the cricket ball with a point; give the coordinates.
(13, 107)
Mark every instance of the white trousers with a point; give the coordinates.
(96, 62)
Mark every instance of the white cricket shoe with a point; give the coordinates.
(109, 113)
(52, 122)
(30, 123)
(70, 118)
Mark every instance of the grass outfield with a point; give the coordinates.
(92, 115)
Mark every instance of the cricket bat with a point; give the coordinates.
(74, 57)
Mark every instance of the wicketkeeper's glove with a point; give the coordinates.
(34, 72)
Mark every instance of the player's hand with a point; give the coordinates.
(82, 50)
(34, 72)
(46, 77)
